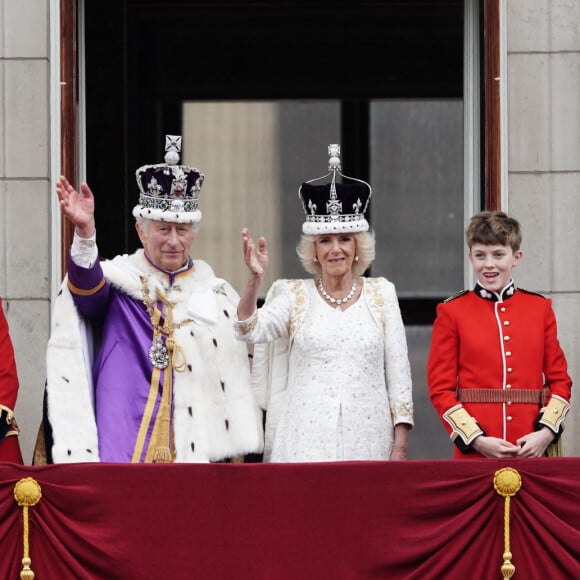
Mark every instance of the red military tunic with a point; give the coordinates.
(9, 447)
(506, 342)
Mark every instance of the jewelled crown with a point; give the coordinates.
(334, 208)
(168, 191)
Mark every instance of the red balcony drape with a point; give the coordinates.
(408, 520)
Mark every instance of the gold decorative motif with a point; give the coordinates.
(80, 292)
(249, 325)
(158, 353)
(554, 413)
(297, 287)
(376, 299)
(169, 357)
(458, 295)
(507, 482)
(462, 423)
(27, 493)
(402, 410)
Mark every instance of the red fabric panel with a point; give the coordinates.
(407, 520)
(8, 373)
(10, 450)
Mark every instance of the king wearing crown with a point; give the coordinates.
(142, 363)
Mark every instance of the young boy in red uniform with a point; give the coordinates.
(497, 375)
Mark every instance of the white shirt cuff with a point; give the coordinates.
(84, 251)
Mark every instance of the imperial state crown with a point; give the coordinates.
(169, 191)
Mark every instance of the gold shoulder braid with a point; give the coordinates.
(165, 356)
(458, 295)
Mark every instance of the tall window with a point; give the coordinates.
(257, 106)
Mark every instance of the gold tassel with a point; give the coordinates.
(162, 455)
(161, 436)
(160, 443)
(507, 482)
(555, 449)
(178, 360)
(27, 493)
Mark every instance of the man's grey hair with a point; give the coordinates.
(144, 224)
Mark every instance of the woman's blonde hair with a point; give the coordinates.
(365, 251)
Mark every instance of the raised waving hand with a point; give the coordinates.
(255, 255)
(256, 260)
(79, 208)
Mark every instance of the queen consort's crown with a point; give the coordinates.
(333, 207)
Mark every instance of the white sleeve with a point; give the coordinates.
(397, 366)
(270, 322)
(83, 251)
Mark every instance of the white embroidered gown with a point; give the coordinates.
(337, 405)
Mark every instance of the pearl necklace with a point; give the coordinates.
(337, 301)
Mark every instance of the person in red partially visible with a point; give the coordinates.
(9, 446)
(496, 373)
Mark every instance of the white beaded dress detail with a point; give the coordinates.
(337, 405)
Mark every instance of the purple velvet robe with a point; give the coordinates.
(122, 369)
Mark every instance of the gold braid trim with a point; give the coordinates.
(554, 413)
(462, 423)
(507, 482)
(147, 414)
(298, 288)
(27, 493)
(376, 301)
(248, 325)
(151, 398)
(159, 450)
(82, 292)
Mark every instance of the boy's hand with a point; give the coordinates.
(495, 448)
(535, 444)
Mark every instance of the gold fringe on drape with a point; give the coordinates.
(27, 493)
(507, 482)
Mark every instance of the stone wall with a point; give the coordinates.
(543, 108)
(24, 198)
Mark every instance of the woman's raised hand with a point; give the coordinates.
(255, 255)
(79, 208)
(256, 259)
